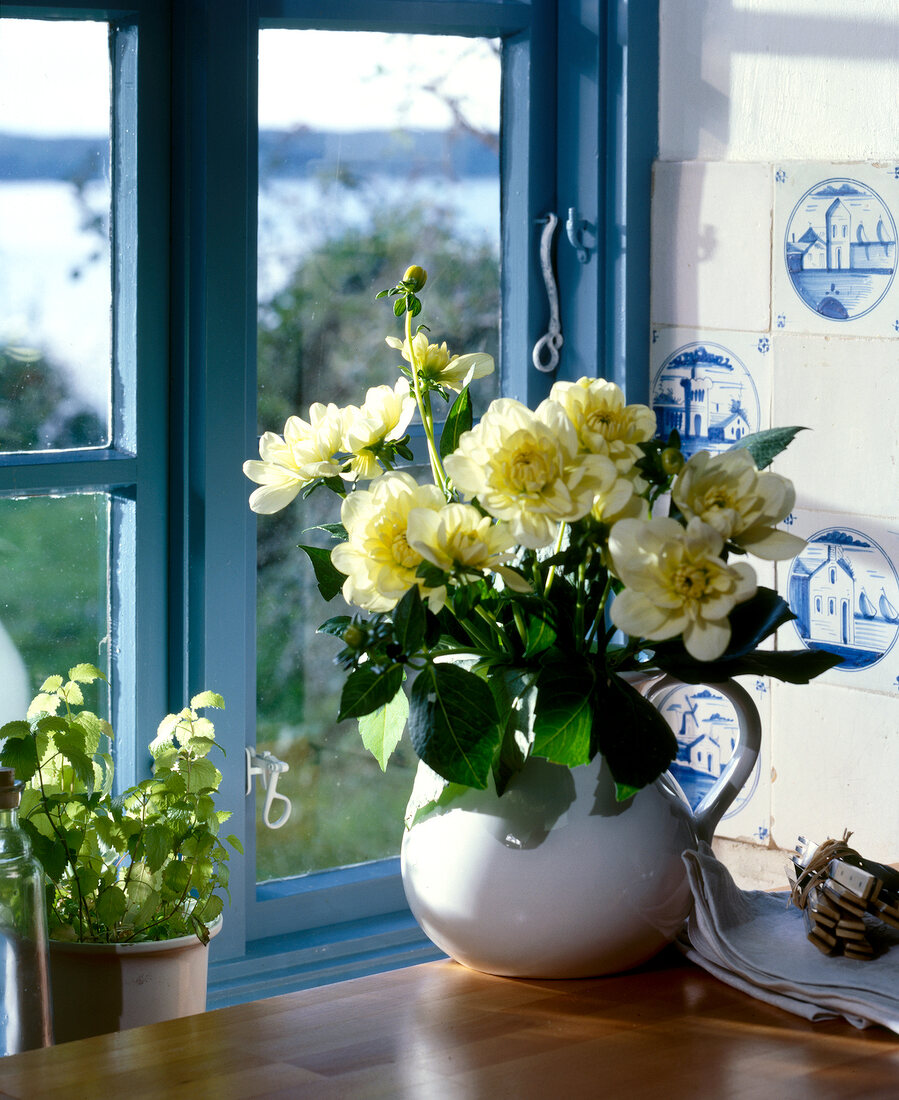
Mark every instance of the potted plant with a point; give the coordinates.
(132, 879)
(554, 557)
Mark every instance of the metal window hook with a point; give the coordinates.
(545, 354)
(268, 768)
(576, 227)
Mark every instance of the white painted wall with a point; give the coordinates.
(775, 91)
(768, 80)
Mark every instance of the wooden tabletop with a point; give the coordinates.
(439, 1031)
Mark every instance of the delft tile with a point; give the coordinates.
(706, 725)
(844, 590)
(835, 759)
(725, 377)
(845, 392)
(711, 245)
(834, 251)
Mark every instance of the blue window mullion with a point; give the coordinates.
(140, 394)
(215, 82)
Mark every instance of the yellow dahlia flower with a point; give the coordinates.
(526, 468)
(458, 537)
(377, 558)
(728, 492)
(676, 583)
(306, 451)
(605, 425)
(436, 364)
(384, 416)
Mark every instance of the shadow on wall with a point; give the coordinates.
(709, 48)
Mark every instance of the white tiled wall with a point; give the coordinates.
(777, 281)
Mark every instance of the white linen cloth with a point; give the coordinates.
(756, 942)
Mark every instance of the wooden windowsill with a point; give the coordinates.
(437, 1030)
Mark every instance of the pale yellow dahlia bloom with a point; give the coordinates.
(384, 416)
(460, 538)
(618, 498)
(526, 468)
(379, 562)
(436, 364)
(729, 493)
(676, 583)
(604, 423)
(306, 451)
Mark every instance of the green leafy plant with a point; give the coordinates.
(142, 865)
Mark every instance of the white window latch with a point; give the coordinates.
(268, 768)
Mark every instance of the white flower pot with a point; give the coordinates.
(558, 880)
(103, 987)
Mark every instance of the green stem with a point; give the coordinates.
(600, 611)
(552, 569)
(424, 410)
(580, 605)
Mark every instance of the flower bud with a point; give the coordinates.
(417, 276)
(672, 460)
(353, 636)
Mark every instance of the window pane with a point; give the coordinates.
(53, 590)
(55, 297)
(397, 164)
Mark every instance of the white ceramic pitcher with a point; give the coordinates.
(558, 880)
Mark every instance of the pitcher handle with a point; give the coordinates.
(739, 768)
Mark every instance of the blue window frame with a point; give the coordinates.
(578, 133)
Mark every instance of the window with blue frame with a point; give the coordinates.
(267, 167)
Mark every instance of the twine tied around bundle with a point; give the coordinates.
(816, 870)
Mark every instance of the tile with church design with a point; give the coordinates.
(706, 725)
(834, 253)
(711, 245)
(844, 590)
(712, 387)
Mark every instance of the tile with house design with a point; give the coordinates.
(706, 726)
(844, 590)
(712, 387)
(834, 254)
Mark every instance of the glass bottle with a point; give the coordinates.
(25, 1019)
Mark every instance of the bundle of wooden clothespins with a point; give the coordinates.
(842, 896)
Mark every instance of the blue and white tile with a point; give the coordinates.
(845, 393)
(706, 725)
(835, 759)
(834, 253)
(844, 590)
(711, 245)
(712, 387)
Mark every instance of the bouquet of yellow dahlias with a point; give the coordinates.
(533, 558)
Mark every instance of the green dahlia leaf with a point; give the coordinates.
(563, 713)
(459, 420)
(766, 446)
(382, 730)
(453, 724)
(330, 579)
(636, 741)
(365, 691)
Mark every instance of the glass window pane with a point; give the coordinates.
(53, 591)
(55, 296)
(397, 164)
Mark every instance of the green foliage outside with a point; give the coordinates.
(53, 586)
(37, 411)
